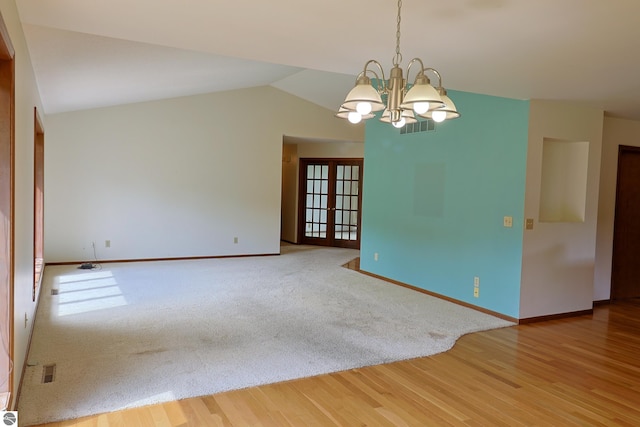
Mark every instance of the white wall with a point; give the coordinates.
(26, 98)
(341, 150)
(559, 257)
(292, 153)
(174, 178)
(616, 132)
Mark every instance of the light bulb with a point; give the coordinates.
(354, 117)
(363, 108)
(439, 116)
(399, 123)
(421, 107)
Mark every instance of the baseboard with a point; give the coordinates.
(107, 261)
(554, 316)
(493, 313)
(443, 297)
(601, 302)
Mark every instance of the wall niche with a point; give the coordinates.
(563, 192)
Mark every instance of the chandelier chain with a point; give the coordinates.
(398, 58)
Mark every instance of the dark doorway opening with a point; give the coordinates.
(625, 268)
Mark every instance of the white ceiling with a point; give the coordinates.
(90, 54)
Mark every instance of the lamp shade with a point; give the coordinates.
(407, 115)
(449, 111)
(422, 93)
(344, 113)
(363, 92)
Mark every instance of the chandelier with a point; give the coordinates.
(401, 103)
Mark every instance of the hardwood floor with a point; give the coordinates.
(582, 371)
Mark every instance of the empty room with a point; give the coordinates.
(387, 213)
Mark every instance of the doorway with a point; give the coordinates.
(625, 268)
(38, 203)
(330, 202)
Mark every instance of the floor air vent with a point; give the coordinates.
(48, 373)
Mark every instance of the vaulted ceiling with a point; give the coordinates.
(89, 54)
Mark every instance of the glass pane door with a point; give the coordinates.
(330, 201)
(317, 205)
(347, 202)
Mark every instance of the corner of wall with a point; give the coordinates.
(559, 257)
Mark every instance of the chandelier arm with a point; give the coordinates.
(422, 69)
(434, 71)
(421, 72)
(382, 84)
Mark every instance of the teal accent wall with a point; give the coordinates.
(434, 202)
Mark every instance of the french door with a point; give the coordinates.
(330, 202)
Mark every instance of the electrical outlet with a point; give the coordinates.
(508, 221)
(375, 256)
(235, 240)
(107, 243)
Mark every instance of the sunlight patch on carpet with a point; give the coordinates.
(86, 292)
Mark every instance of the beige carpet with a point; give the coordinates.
(133, 334)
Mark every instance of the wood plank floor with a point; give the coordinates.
(582, 371)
